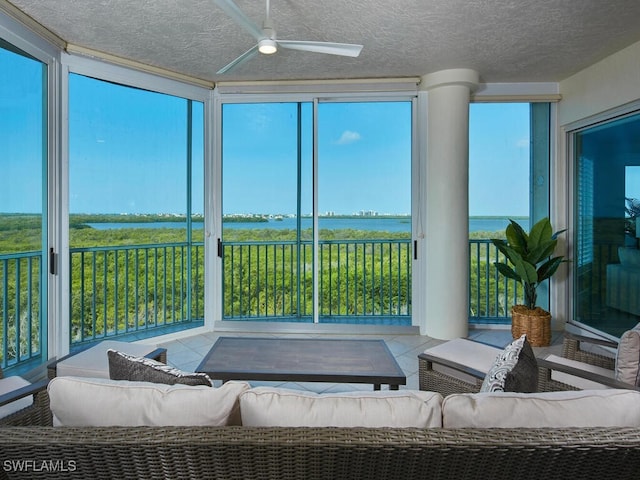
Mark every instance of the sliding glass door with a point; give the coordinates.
(606, 269)
(364, 212)
(316, 233)
(23, 207)
(267, 207)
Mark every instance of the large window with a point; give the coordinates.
(606, 269)
(135, 210)
(23, 244)
(508, 179)
(317, 234)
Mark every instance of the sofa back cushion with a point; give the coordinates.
(77, 401)
(277, 407)
(584, 408)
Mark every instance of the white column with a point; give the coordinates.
(446, 202)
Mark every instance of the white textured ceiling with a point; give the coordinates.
(504, 40)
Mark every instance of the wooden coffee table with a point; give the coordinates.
(303, 360)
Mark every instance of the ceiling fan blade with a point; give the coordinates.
(241, 59)
(344, 49)
(231, 9)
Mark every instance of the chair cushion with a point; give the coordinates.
(514, 370)
(9, 384)
(81, 401)
(141, 369)
(628, 357)
(267, 407)
(476, 355)
(93, 362)
(581, 408)
(579, 382)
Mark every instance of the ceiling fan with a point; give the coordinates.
(268, 43)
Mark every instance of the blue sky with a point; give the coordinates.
(128, 150)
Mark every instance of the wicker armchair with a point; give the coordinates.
(574, 348)
(38, 413)
(447, 376)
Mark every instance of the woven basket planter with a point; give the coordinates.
(535, 323)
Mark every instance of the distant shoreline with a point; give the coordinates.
(165, 217)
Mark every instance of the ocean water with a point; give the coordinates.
(476, 224)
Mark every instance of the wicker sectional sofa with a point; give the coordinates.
(248, 452)
(320, 453)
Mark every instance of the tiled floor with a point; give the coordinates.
(186, 353)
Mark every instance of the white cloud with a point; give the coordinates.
(348, 137)
(523, 143)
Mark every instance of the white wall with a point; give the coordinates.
(610, 83)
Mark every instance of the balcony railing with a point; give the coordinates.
(361, 281)
(20, 300)
(128, 289)
(123, 290)
(491, 295)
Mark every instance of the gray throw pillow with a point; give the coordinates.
(141, 369)
(515, 369)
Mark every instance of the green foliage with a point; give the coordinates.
(529, 256)
(136, 278)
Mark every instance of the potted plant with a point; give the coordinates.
(530, 262)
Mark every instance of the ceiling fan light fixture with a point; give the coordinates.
(267, 46)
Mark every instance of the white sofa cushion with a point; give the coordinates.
(584, 408)
(267, 407)
(80, 401)
(9, 384)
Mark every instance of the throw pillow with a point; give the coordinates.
(141, 369)
(515, 369)
(628, 357)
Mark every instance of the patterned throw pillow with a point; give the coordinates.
(515, 369)
(141, 369)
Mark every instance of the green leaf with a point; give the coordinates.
(526, 271)
(507, 271)
(548, 268)
(516, 237)
(540, 233)
(542, 251)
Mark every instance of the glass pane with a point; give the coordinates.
(499, 190)
(364, 208)
(266, 158)
(22, 205)
(607, 260)
(132, 253)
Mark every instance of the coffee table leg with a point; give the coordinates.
(376, 386)
(394, 387)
